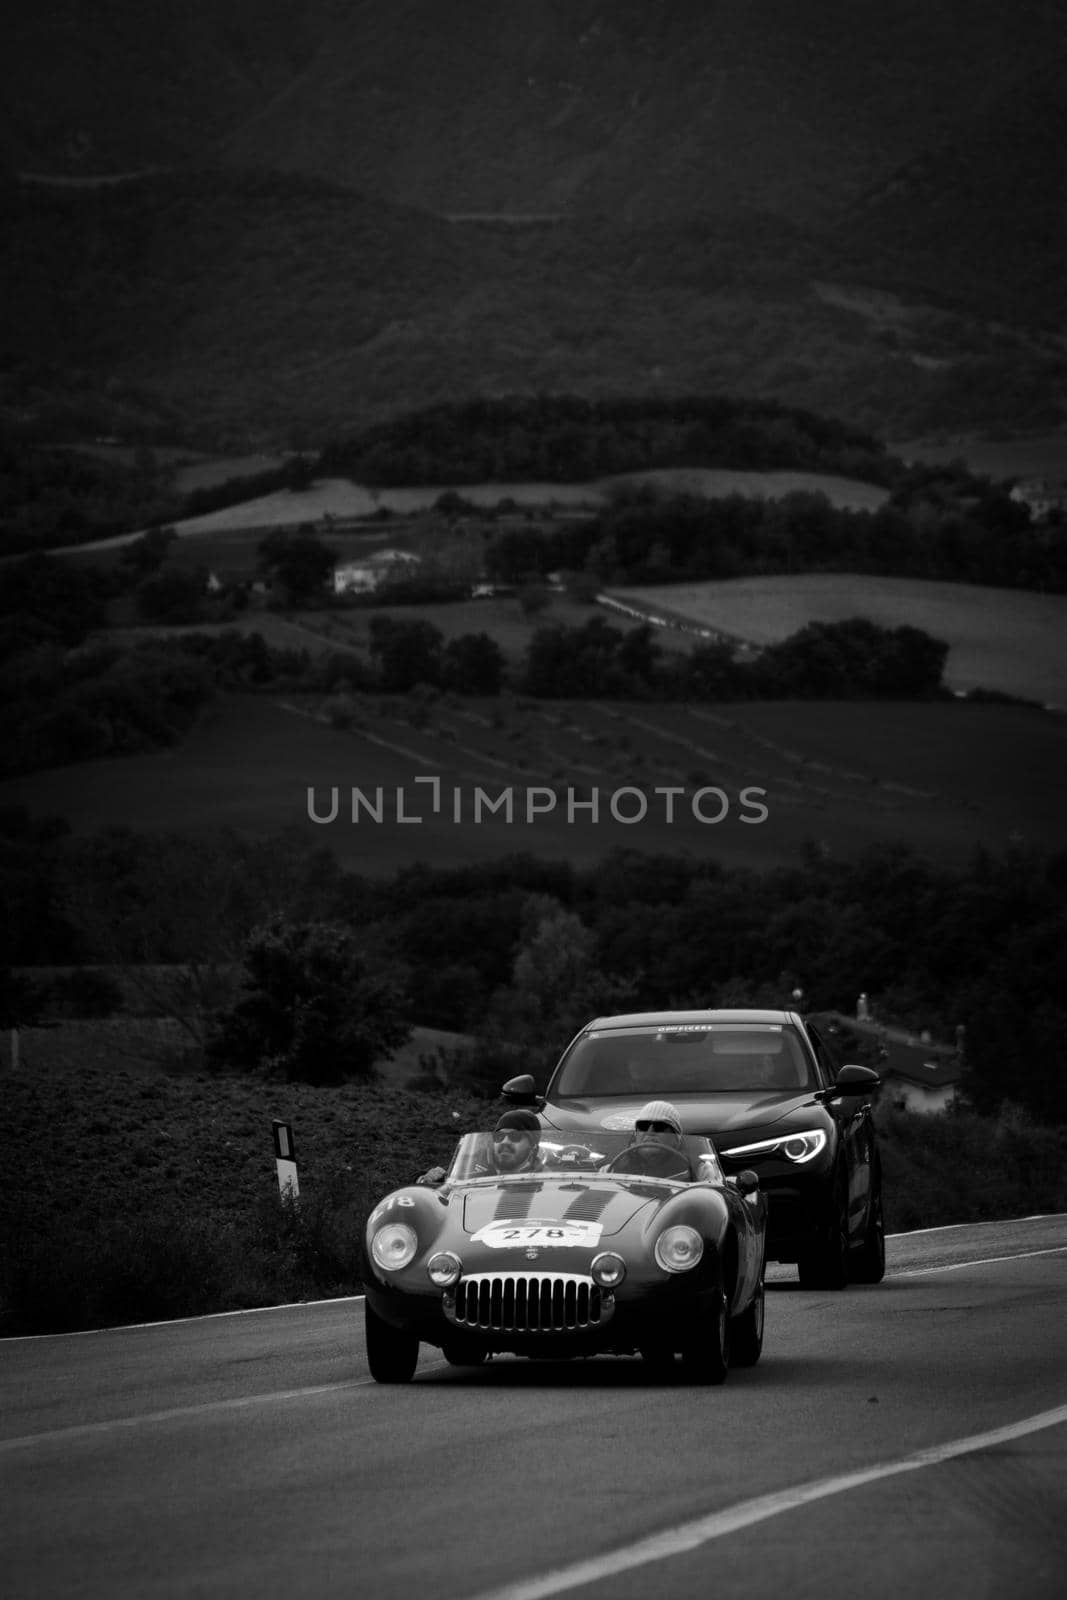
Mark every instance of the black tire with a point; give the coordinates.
(824, 1263)
(706, 1351)
(392, 1354)
(746, 1332)
(658, 1358)
(868, 1262)
(461, 1351)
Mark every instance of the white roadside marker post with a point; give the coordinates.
(285, 1161)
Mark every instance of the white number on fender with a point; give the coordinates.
(545, 1235)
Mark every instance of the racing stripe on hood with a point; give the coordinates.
(588, 1206)
(514, 1203)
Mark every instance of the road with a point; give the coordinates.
(252, 1455)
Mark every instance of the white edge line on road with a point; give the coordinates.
(947, 1227)
(983, 1261)
(178, 1322)
(689, 1536)
(85, 1430)
(356, 1299)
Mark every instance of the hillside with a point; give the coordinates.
(240, 309)
(712, 194)
(521, 106)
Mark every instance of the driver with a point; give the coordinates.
(516, 1140)
(655, 1146)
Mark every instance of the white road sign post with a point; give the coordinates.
(285, 1160)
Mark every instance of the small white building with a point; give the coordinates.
(367, 575)
(913, 1082)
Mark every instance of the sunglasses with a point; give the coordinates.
(509, 1136)
(655, 1127)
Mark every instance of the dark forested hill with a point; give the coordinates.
(621, 107)
(718, 187)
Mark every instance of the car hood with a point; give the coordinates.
(716, 1115)
(606, 1206)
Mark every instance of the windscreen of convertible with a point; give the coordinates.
(541, 1154)
(684, 1059)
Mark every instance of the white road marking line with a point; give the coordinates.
(691, 1535)
(1003, 1222)
(84, 1430)
(983, 1261)
(178, 1322)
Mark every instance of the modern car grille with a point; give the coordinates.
(521, 1302)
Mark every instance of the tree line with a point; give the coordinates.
(520, 952)
(927, 529)
(566, 438)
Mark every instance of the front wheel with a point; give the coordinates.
(746, 1332)
(868, 1264)
(460, 1351)
(392, 1354)
(706, 1351)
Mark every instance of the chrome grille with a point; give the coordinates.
(529, 1302)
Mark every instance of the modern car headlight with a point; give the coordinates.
(444, 1268)
(608, 1269)
(798, 1147)
(679, 1248)
(394, 1246)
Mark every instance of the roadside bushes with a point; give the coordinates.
(959, 1166)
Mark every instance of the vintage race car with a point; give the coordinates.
(603, 1244)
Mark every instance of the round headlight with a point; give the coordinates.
(444, 1268)
(394, 1246)
(608, 1269)
(679, 1248)
(803, 1146)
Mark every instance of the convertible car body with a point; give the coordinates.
(588, 1251)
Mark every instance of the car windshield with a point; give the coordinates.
(683, 1058)
(490, 1156)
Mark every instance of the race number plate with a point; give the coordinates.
(541, 1235)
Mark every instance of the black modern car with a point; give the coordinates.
(765, 1088)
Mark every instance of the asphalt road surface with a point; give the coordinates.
(909, 1438)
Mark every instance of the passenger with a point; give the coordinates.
(656, 1145)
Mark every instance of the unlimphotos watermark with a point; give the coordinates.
(525, 804)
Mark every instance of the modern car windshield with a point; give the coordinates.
(683, 1059)
(554, 1152)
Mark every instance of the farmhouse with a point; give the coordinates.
(364, 577)
(920, 1080)
(916, 1074)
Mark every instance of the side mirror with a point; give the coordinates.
(747, 1181)
(854, 1080)
(520, 1091)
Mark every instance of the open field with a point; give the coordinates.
(1007, 639)
(943, 776)
(1039, 455)
(339, 498)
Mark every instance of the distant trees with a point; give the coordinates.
(567, 438)
(405, 652)
(473, 663)
(174, 595)
(854, 659)
(148, 553)
(311, 1008)
(58, 707)
(300, 561)
(963, 531)
(848, 660)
